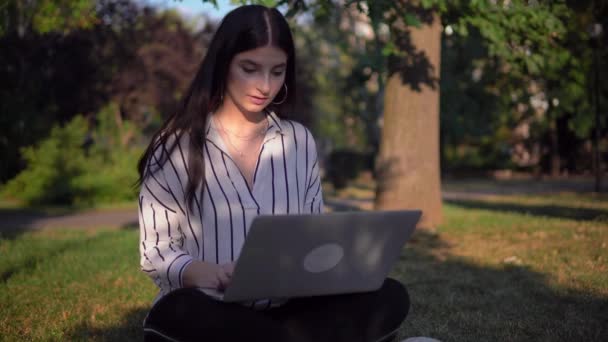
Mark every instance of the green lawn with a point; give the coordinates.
(511, 268)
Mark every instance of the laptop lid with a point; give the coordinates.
(307, 255)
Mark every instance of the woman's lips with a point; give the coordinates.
(257, 100)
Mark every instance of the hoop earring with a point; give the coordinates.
(284, 98)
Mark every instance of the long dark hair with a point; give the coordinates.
(245, 28)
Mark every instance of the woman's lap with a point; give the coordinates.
(189, 314)
(349, 317)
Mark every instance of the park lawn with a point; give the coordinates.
(491, 272)
(504, 276)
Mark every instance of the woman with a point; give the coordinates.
(229, 133)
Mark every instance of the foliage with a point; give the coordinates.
(53, 165)
(532, 74)
(472, 137)
(340, 99)
(510, 67)
(530, 69)
(536, 43)
(136, 57)
(44, 16)
(80, 165)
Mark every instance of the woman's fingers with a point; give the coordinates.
(215, 283)
(223, 277)
(229, 268)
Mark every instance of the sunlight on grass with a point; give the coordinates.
(574, 253)
(89, 282)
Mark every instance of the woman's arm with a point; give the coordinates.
(163, 256)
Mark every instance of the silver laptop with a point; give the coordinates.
(309, 255)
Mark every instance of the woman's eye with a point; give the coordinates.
(249, 71)
(277, 73)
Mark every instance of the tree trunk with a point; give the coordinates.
(407, 167)
(597, 161)
(554, 137)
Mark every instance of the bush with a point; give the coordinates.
(79, 165)
(346, 165)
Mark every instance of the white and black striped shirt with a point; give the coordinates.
(286, 181)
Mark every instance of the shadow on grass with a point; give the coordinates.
(30, 263)
(489, 186)
(129, 330)
(454, 299)
(16, 221)
(130, 226)
(556, 211)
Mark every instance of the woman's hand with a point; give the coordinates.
(208, 275)
(225, 275)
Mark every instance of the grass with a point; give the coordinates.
(498, 269)
(72, 285)
(489, 276)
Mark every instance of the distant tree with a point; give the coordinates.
(45, 16)
(134, 56)
(161, 63)
(538, 56)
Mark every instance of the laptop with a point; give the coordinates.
(286, 256)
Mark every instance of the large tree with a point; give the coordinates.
(407, 166)
(408, 172)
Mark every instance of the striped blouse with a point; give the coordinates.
(286, 181)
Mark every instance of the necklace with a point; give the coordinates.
(245, 137)
(255, 135)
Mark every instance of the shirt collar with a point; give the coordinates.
(274, 122)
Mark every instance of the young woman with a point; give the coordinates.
(226, 156)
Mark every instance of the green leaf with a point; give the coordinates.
(411, 20)
(390, 49)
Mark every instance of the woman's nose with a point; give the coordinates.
(264, 84)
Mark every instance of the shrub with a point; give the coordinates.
(80, 165)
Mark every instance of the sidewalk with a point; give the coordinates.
(463, 190)
(26, 219)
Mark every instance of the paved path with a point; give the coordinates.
(19, 220)
(11, 220)
(30, 220)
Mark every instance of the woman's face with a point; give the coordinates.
(255, 77)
